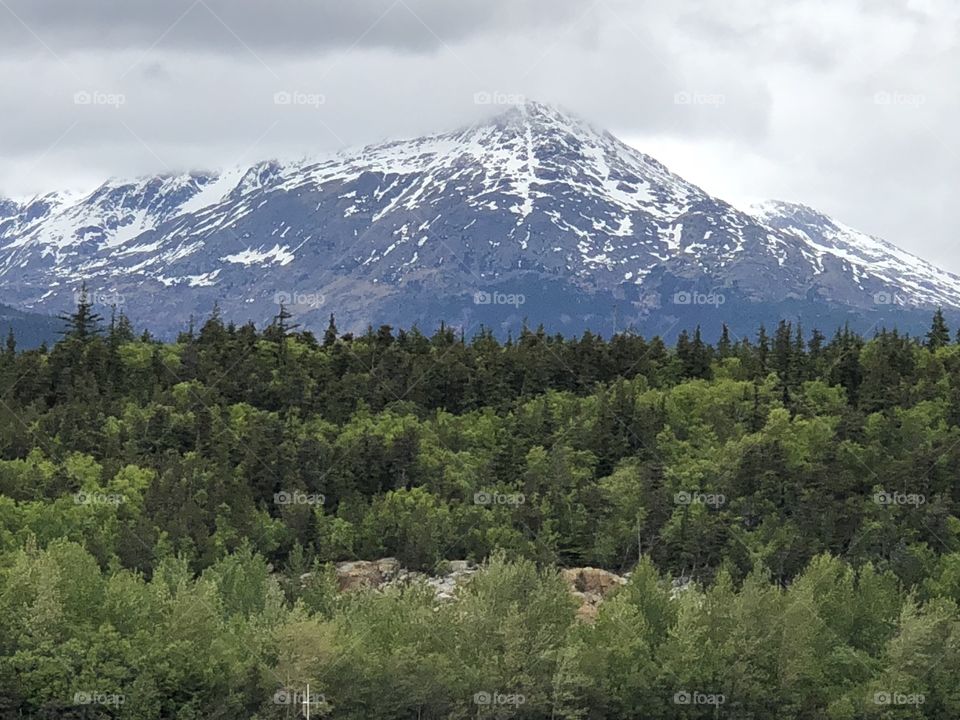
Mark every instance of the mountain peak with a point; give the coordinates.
(534, 202)
(541, 117)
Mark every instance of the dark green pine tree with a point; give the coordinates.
(799, 368)
(684, 353)
(330, 334)
(700, 356)
(939, 335)
(724, 346)
(815, 352)
(763, 350)
(83, 323)
(846, 369)
(279, 331)
(783, 349)
(11, 343)
(953, 400)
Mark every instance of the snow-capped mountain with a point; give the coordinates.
(830, 242)
(534, 214)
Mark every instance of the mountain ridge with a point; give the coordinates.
(534, 202)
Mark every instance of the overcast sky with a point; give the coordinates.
(850, 106)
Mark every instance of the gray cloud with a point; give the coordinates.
(281, 26)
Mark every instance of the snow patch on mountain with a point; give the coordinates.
(865, 255)
(276, 254)
(531, 193)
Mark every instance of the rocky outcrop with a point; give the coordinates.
(366, 574)
(591, 586)
(378, 574)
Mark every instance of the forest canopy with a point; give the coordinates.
(785, 506)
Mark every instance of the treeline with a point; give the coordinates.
(574, 452)
(139, 479)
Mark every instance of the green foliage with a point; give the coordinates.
(787, 509)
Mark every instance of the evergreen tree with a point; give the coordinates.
(83, 323)
(783, 350)
(939, 335)
(724, 345)
(700, 357)
(763, 350)
(330, 334)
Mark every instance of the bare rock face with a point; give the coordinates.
(364, 574)
(445, 586)
(591, 586)
(386, 572)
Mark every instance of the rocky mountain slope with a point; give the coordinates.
(534, 214)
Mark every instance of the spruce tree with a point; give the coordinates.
(724, 345)
(939, 335)
(783, 349)
(83, 323)
(330, 334)
(763, 350)
(700, 358)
